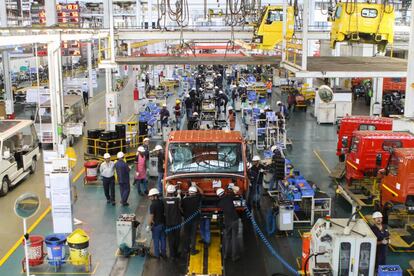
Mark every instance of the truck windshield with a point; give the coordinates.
(205, 158)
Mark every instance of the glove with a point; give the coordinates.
(148, 228)
(384, 242)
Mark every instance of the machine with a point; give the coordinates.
(324, 106)
(342, 247)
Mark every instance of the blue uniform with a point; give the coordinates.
(122, 171)
(381, 248)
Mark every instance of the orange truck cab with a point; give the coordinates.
(370, 151)
(210, 158)
(397, 185)
(351, 123)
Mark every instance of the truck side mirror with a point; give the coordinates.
(345, 142)
(378, 160)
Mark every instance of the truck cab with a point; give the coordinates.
(19, 148)
(397, 185)
(211, 159)
(370, 150)
(350, 124)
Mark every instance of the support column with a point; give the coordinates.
(106, 13)
(89, 57)
(51, 14)
(409, 90)
(3, 14)
(305, 35)
(138, 13)
(376, 99)
(284, 30)
(8, 93)
(149, 12)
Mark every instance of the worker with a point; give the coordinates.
(122, 172)
(177, 113)
(188, 102)
(262, 118)
(383, 238)
(160, 166)
(156, 223)
(85, 92)
(277, 168)
(291, 101)
(255, 174)
(145, 144)
(141, 172)
(269, 86)
(164, 115)
(282, 109)
(107, 171)
(191, 205)
(172, 206)
(222, 100)
(192, 123)
(231, 118)
(231, 224)
(147, 80)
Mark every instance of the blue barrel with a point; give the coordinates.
(390, 270)
(55, 245)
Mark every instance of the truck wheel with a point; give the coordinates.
(33, 166)
(4, 186)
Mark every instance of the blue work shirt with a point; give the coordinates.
(122, 171)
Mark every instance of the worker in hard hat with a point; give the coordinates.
(188, 102)
(141, 172)
(221, 101)
(190, 205)
(383, 238)
(85, 93)
(107, 172)
(193, 122)
(277, 167)
(177, 113)
(282, 109)
(172, 210)
(160, 166)
(164, 115)
(255, 174)
(231, 118)
(269, 86)
(122, 172)
(231, 224)
(156, 223)
(145, 144)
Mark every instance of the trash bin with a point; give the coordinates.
(35, 251)
(55, 245)
(91, 170)
(78, 243)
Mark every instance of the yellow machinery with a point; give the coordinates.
(363, 22)
(270, 31)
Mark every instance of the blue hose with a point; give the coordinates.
(268, 245)
(270, 222)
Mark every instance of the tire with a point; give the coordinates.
(33, 166)
(5, 185)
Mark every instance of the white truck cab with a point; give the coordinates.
(19, 149)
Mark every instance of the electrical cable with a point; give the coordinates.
(307, 260)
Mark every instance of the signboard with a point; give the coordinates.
(61, 202)
(94, 79)
(68, 14)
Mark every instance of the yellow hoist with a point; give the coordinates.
(363, 23)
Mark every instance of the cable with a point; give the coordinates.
(187, 220)
(307, 260)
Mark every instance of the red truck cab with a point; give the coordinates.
(397, 185)
(370, 151)
(351, 123)
(210, 158)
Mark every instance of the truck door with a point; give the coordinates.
(9, 167)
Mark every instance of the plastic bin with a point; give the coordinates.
(55, 246)
(78, 243)
(35, 252)
(91, 170)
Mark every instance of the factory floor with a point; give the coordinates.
(313, 153)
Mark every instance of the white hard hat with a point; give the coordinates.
(201, 89)
(376, 215)
(230, 186)
(220, 191)
(164, 105)
(216, 87)
(187, 96)
(273, 148)
(146, 139)
(158, 147)
(120, 155)
(261, 110)
(171, 189)
(141, 149)
(230, 108)
(266, 107)
(256, 158)
(195, 114)
(279, 102)
(220, 92)
(107, 156)
(153, 191)
(192, 190)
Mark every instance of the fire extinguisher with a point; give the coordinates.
(136, 94)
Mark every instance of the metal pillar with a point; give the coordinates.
(89, 54)
(409, 90)
(138, 13)
(106, 12)
(8, 93)
(284, 30)
(51, 15)
(55, 88)
(149, 12)
(305, 45)
(376, 99)
(3, 14)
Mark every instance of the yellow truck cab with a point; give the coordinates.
(19, 148)
(363, 23)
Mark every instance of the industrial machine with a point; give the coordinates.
(363, 23)
(397, 186)
(342, 247)
(370, 150)
(269, 32)
(351, 123)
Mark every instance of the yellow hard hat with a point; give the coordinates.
(177, 101)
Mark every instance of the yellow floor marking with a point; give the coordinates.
(78, 175)
(19, 241)
(196, 261)
(322, 161)
(215, 266)
(66, 273)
